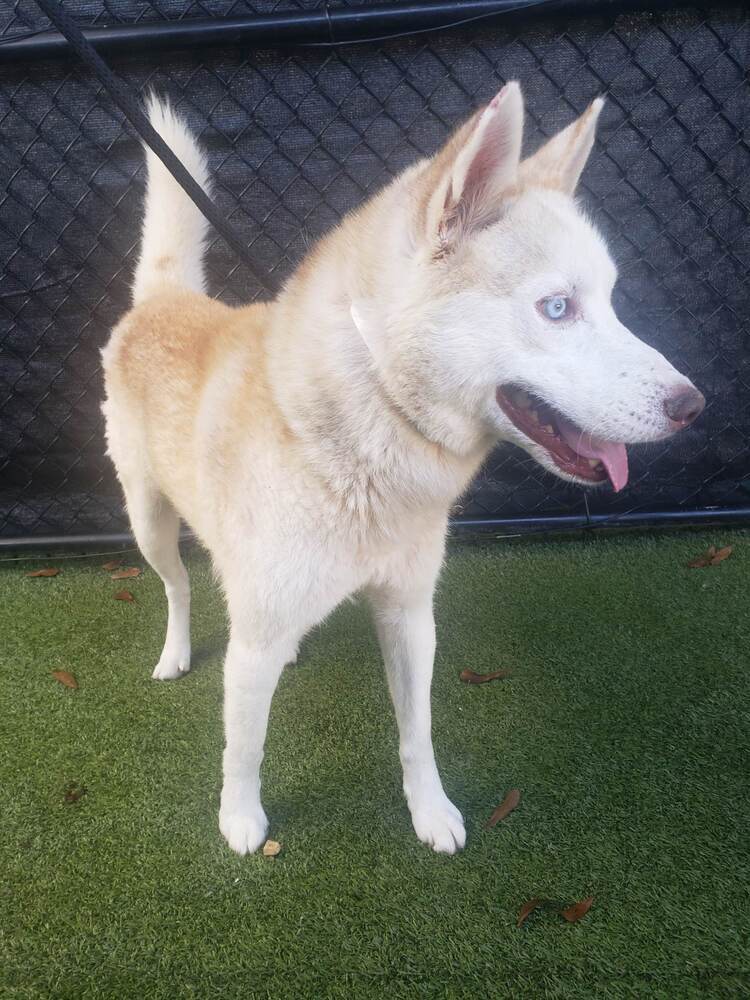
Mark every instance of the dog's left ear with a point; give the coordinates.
(462, 187)
(560, 161)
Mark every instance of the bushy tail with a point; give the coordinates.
(174, 229)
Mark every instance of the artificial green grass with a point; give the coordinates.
(625, 725)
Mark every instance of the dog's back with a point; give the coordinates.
(186, 391)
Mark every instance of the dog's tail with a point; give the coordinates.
(174, 229)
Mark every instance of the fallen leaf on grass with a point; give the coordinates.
(124, 595)
(711, 557)
(112, 565)
(573, 913)
(577, 911)
(44, 572)
(704, 559)
(721, 555)
(74, 792)
(528, 908)
(470, 677)
(65, 678)
(126, 574)
(271, 848)
(506, 807)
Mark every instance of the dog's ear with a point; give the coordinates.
(560, 161)
(462, 187)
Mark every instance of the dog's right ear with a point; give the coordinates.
(462, 188)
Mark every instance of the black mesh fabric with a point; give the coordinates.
(298, 137)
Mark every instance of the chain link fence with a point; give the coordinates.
(298, 136)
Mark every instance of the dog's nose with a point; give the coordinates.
(684, 405)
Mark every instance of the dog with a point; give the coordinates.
(315, 443)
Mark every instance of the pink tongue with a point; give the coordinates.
(612, 455)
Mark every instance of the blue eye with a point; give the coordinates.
(556, 307)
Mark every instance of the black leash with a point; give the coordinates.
(132, 110)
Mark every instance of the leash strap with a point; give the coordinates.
(132, 110)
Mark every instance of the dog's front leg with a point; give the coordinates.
(251, 673)
(406, 630)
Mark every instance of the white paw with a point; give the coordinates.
(172, 663)
(438, 823)
(245, 832)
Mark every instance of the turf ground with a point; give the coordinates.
(625, 725)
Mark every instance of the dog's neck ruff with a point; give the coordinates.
(364, 323)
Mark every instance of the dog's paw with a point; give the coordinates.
(244, 832)
(173, 663)
(438, 824)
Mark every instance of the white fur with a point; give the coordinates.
(316, 444)
(174, 229)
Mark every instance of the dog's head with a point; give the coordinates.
(499, 320)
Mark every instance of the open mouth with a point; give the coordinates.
(573, 450)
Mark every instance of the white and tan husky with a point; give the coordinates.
(316, 443)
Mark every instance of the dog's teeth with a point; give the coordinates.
(594, 463)
(548, 428)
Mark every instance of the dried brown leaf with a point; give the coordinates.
(124, 595)
(112, 565)
(271, 848)
(528, 908)
(721, 555)
(506, 807)
(470, 677)
(66, 678)
(572, 913)
(126, 574)
(711, 557)
(50, 571)
(74, 792)
(577, 911)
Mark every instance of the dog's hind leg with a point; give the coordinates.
(406, 630)
(156, 527)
